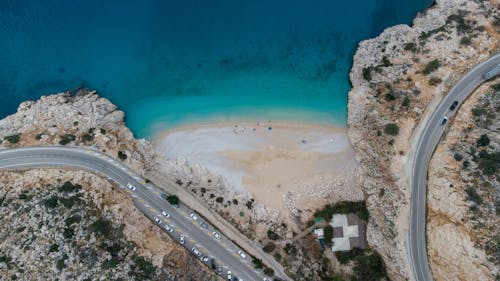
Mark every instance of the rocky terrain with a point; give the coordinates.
(398, 78)
(464, 192)
(73, 225)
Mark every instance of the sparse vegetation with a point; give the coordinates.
(345, 257)
(435, 81)
(406, 102)
(431, 67)
(328, 235)
(272, 235)
(13, 138)
(386, 62)
(410, 47)
(473, 196)
(67, 138)
(343, 207)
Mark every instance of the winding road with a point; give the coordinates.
(429, 139)
(145, 196)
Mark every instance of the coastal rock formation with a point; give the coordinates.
(75, 225)
(398, 78)
(85, 119)
(463, 193)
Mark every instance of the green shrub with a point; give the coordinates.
(235, 202)
(369, 268)
(290, 249)
(272, 235)
(67, 138)
(457, 156)
(410, 47)
(343, 207)
(219, 199)
(269, 271)
(73, 219)
(257, 263)
(69, 187)
(489, 167)
(249, 204)
(13, 138)
(473, 196)
(406, 102)
(52, 202)
(87, 137)
(23, 196)
(386, 62)
(71, 201)
(122, 155)
(391, 129)
(431, 67)
(466, 41)
(111, 263)
(389, 96)
(478, 111)
(103, 131)
(53, 248)
(367, 73)
(60, 264)
(173, 199)
(102, 227)
(483, 140)
(269, 247)
(435, 81)
(38, 136)
(68, 233)
(345, 256)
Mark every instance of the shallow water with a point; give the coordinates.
(167, 63)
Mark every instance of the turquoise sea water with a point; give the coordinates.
(167, 63)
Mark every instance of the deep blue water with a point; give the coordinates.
(167, 63)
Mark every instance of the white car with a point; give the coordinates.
(193, 216)
(181, 238)
(157, 220)
(168, 228)
(229, 277)
(216, 235)
(165, 214)
(204, 259)
(196, 252)
(242, 255)
(131, 187)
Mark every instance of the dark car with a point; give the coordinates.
(213, 264)
(204, 224)
(453, 105)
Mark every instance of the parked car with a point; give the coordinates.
(196, 251)
(157, 220)
(193, 216)
(242, 255)
(131, 187)
(204, 259)
(204, 225)
(169, 228)
(213, 264)
(164, 196)
(219, 270)
(444, 120)
(181, 238)
(229, 277)
(453, 105)
(216, 235)
(165, 214)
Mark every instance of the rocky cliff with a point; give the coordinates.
(93, 232)
(398, 78)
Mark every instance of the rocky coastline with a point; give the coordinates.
(398, 78)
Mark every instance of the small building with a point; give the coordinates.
(348, 232)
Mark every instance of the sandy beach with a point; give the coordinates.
(274, 162)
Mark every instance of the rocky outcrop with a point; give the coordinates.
(397, 79)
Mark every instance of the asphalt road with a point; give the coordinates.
(146, 197)
(433, 130)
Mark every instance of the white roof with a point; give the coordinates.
(341, 244)
(351, 231)
(339, 220)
